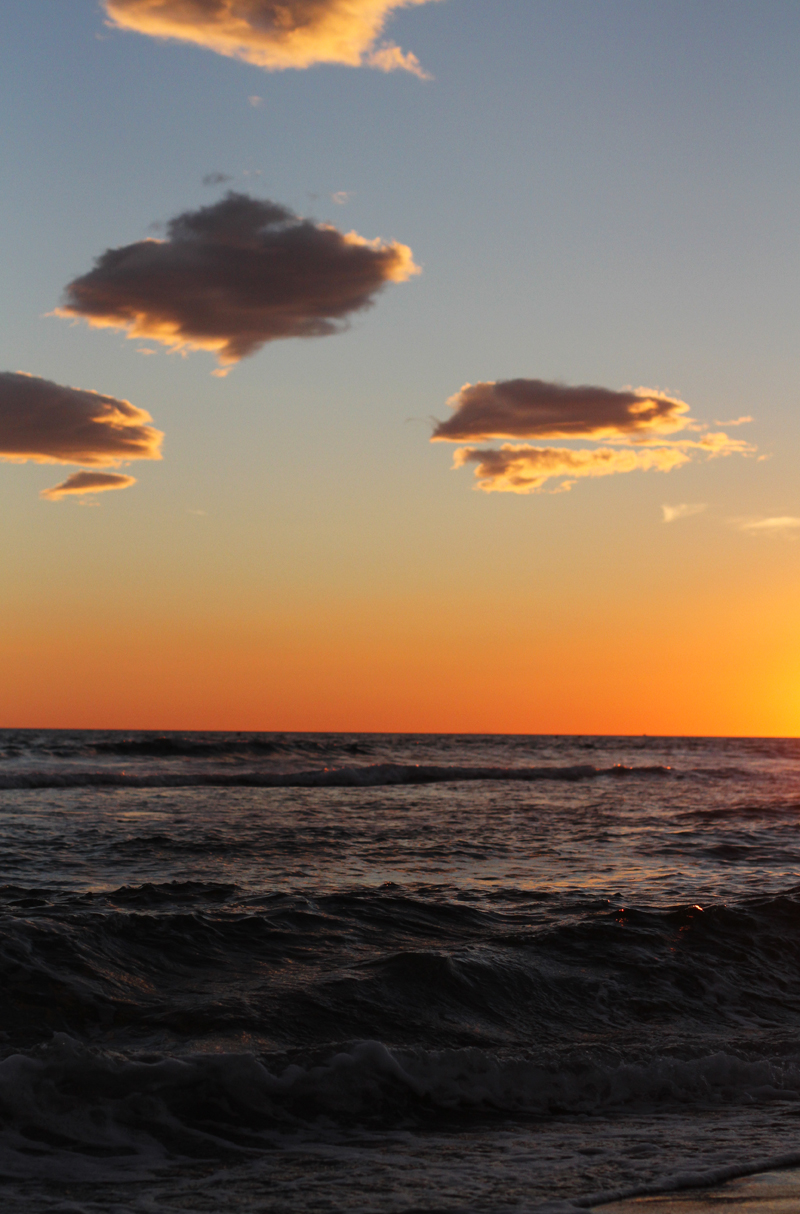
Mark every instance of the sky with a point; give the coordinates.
(388, 372)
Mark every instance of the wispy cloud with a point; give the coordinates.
(715, 444)
(780, 525)
(235, 275)
(81, 483)
(683, 510)
(390, 58)
(53, 424)
(734, 421)
(513, 469)
(275, 34)
(216, 178)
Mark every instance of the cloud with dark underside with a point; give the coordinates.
(81, 483)
(234, 275)
(276, 34)
(641, 427)
(533, 408)
(53, 424)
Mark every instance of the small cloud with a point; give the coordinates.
(641, 421)
(684, 510)
(216, 178)
(201, 512)
(144, 350)
(291, 34)
(389, 58)
(232, 276)
(734, 421)
(341, 197)
(512, 469)
(716, 444)
(80, 483)
(53, 424)
(255, 101)
(782, 525)
(534, 408)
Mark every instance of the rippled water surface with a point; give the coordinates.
(295, 972)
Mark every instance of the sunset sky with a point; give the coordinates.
(562, 239)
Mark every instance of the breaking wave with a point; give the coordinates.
(69, 1108)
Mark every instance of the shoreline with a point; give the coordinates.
(771, 1188)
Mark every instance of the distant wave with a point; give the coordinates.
(189, 746)
(329, 777)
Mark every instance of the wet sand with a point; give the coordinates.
(764, 1193)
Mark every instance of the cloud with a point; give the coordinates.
(232, 276)
(216, 178)
(389, 58)
(275, 34)
(640, 421)
(341, 197)
(734, 421)
(255, 100)
(513, 469)
(534, 408)
(88, 482)
(684, 510)
(784, 524)
(716, 444)
(53, 424)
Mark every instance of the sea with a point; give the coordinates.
(277, 973)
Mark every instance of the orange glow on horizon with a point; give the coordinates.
(372, 669)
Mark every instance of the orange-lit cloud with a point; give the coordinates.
(234, 275)
(80, 483)
(513, 469)
(716, 444)
(275, 34)
(53, 424)
(533, 408)
(640, 421)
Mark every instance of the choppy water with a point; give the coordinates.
(392, 973)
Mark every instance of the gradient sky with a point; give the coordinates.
(597, 193)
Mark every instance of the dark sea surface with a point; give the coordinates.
(294, 972)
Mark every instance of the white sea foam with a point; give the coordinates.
(106, 1099)
(73, 1114)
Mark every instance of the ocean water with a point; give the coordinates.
(284, 973)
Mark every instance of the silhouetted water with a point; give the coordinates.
(363, 972)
